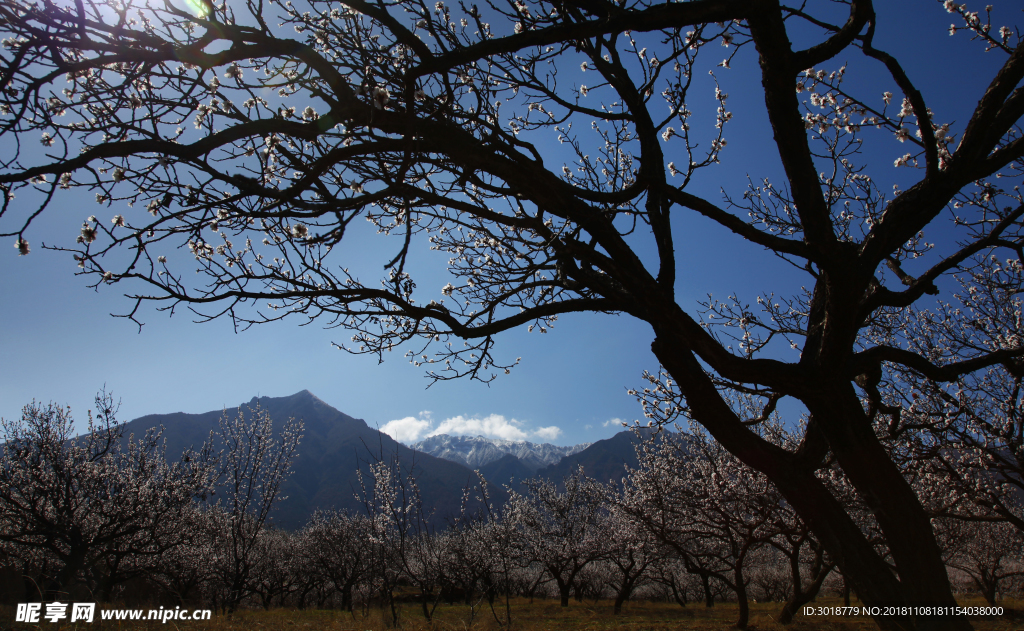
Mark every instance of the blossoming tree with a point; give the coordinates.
(255, 462)
(561, 528)
(83, 505)
(256, 133)
(965, 437)
(697, 498)
(336, 546)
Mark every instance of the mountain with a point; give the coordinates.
(603, 460)
(476, 452)
(506, 470)
(333, 448)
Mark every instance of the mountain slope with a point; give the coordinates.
(506, 470)
(604, 460)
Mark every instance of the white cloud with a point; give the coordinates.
(548, 433)
(411, 429)
(612, 422)
(492, 426)
(407, 430)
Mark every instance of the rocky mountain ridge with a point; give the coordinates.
(478, 451)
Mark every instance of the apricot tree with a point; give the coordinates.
(255, 133)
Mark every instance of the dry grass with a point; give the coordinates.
(541, 615)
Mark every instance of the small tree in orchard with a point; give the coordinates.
(250, 139)
(337, 545)
(989, 554)
(807, 564)
(92, 507)
(471, 563)
(397, 526)
(275, 575)
(631, 553)
(561, 528)
(671, 573)
(255, 462)
(486, 549)
(697, 498)
(185, 571)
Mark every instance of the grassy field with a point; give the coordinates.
(541, 615)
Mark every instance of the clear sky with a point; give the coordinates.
(59, 342)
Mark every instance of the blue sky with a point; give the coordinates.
(61, 344)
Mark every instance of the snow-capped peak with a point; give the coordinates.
(477, 451)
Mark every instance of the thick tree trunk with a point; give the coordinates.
(709, 598)
(987, 585)
(741, 598)
(903, 520)
(73, 564)
(346, 597)
(563, 590)
(619, 599)
(622, 594)
(793, 605)
(234, 597)
(922, 575)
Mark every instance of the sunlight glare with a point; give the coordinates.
(200, 8)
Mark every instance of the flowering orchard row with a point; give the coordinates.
(101, 514)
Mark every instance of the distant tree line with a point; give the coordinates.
(110, 518)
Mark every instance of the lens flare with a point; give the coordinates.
(200, 8)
